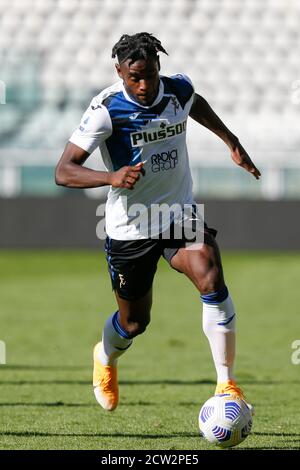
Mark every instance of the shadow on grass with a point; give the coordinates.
(121, 382)
(33, 367)
(142, 382)
(88, 405)
(28, 434)
(266, 448)
(278, 434)
(246, 381)
(130, 436)
(140, 436)
(50, 404)
(45, 382)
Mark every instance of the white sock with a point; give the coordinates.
(219, 327)
(115, 341)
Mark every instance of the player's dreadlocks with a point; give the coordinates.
(138, 46)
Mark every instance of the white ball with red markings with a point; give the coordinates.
(225, 420)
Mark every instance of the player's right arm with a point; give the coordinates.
(71, 173)
(95, 128)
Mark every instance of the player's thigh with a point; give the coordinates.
(201, 263)
(132, 266)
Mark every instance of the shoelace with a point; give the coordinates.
(233, 388)
(107, 382)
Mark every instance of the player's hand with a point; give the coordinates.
(241, 158)
(127, 176)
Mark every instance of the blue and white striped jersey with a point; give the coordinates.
(127, 133)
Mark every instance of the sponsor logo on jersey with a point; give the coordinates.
(135, 115)
(164, 161)
(96, 107)
(150, 136)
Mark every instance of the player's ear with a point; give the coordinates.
(118, 69)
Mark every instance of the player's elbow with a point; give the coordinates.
(61, 176)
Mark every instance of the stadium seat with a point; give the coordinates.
(242, 56)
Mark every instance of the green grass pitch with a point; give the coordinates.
(52, 308)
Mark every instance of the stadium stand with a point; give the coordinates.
(241, 55)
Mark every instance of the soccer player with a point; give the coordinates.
(139, 123)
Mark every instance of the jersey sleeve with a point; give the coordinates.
(183, 88)
(95, 127)
(185, 78)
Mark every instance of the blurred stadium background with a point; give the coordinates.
(243, 57)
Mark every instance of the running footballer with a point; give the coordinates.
(139, 124)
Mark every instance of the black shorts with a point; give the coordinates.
(132, 263)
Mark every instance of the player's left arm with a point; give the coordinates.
(205, 115)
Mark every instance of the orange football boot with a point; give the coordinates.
(231, 388)
(105, 383)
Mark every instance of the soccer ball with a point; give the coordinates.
(225, 420)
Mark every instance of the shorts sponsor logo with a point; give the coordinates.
(122, 280)
(164, 161)
(163, 132)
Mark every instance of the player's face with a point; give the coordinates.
(141, 79)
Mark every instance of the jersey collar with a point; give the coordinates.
(155, 102)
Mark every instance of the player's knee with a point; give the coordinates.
(136, 328)
(212, 281)
(208, 275)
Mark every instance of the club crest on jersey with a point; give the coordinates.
(175, 104)
(150, 136)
